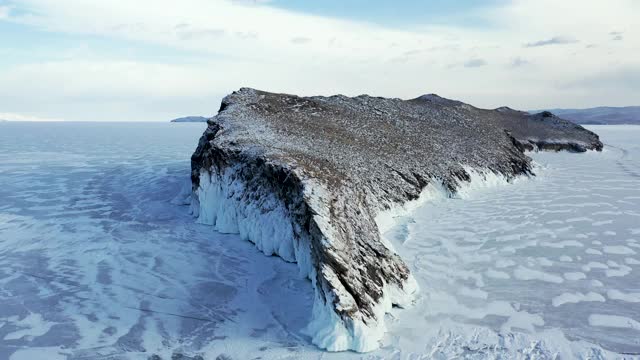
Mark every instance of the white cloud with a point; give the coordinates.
(23, 117)
(471, 63)
(4, 11)
(518, 62)
(556, 40)
(241, 44)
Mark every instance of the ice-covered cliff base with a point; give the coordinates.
(225, 201)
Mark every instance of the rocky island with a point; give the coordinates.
(311, 179)
(189, 119)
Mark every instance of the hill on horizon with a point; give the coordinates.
(190, 119)
(602, 115)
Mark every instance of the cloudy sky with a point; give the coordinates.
(152, 60)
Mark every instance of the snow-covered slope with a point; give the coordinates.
(308, 179)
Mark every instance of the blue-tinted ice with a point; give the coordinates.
(98, 259)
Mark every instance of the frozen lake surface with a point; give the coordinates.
(98, 259)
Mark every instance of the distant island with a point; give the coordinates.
(190, 119)
(604, 115)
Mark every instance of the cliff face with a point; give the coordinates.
(305, 179)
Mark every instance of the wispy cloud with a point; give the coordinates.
(4, 11)
(251, 2)
(616, 35)
(189, 53)
(556, 40)
(473, 63)
(518, 62)
(300, 40)
(188, 33)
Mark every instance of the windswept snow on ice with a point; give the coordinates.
(98, 260)
(573, 298)
(614, 321)
(552, 254)
(614, 294)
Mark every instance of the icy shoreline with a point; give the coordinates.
(437, 190)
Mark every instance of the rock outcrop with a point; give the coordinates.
(545, 131)
(304, 178)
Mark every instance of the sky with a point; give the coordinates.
(152, 60)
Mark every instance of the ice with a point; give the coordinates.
(562, 244)
(222, 204)
(523, 273)
(99, 259)
(574, 276)
(621, 270)
(618, 250)
(632, 261)
(591, 251)
(473, 293)
(594, 265)
(48, 353)
(614, 294)
(603, 222)
(613, 321)
(574, 298)
(497, 274)
(31, 326)
(503, 263)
